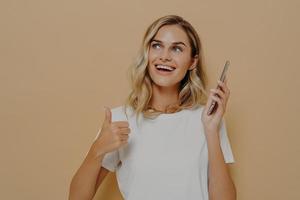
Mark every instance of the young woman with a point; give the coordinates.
(161, 142)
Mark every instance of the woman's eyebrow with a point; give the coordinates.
(176, 43)
(179, 43)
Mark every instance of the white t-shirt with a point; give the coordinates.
(165, 158)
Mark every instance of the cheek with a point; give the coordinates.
(181, 74)
(152, 55)
(183, 62)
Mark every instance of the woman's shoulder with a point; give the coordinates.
(197, 108)
(121, 113)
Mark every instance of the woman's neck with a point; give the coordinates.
(163, 97)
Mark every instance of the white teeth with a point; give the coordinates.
(165, 67)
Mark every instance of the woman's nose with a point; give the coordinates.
(165, 55)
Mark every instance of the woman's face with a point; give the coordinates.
(169, 56)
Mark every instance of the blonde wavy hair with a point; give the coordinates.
(192, 87)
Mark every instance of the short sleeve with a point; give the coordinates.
(111, 160)
(225, 144)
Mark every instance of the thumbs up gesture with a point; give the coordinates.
(113, 135)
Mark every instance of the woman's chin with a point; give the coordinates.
(164, 84)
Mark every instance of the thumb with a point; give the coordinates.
(107, 119)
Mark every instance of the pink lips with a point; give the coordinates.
(162, 72)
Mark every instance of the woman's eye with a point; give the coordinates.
(155, 46)
(177, 49)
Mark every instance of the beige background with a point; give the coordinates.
(62, 61)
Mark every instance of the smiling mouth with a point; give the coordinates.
(165, 68)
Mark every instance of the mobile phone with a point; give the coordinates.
(214, 104)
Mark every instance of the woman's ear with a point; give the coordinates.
(194, 63)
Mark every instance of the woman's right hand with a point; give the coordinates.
(113, 135)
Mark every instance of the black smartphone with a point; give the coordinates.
(214, 104)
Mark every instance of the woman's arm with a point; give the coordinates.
(113, 136)
(220, 184)
(84, 183)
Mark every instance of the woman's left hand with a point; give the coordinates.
(220, 95)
